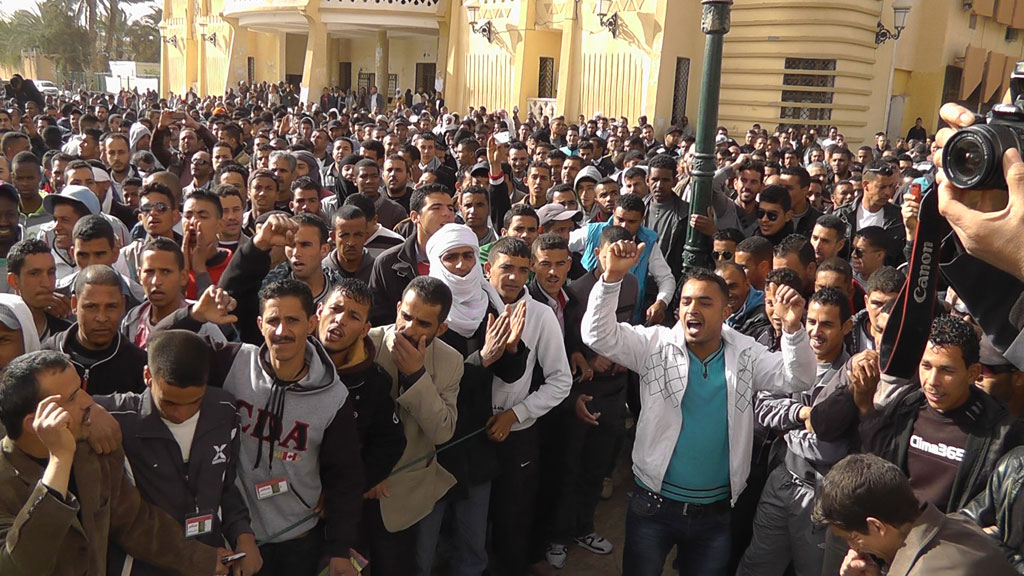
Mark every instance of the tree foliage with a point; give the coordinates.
(81, 35)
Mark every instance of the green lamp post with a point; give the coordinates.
(715, 25)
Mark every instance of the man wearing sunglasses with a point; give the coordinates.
(874, 208)
(775, 214)
(202, 173)
(158, 213)
(869, 252)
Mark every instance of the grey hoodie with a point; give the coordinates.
(307, 408)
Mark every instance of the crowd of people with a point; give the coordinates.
(248, 334)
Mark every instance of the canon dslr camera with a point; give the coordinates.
(973, 157)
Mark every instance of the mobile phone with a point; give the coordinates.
(502, 137)
(233, 558)
(915, 191)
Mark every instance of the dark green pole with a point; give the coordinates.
(715, 25)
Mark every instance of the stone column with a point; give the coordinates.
(314, 70)
(381, 61)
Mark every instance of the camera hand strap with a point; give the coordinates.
(906, 334)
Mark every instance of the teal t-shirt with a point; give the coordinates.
(698, 471)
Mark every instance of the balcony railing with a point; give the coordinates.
(414, 6)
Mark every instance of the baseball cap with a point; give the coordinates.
(587, 173)
(74, 193)
(480, 168)
(100, 175)
(673, 128)
(721, 139)
(555, 212)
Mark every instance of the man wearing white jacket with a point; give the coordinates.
(517, 406)
(698, 379)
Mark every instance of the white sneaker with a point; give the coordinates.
(595, 543)
(556, 555)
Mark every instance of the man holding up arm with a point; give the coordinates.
(694, 437)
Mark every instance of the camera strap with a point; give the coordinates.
(906, 333)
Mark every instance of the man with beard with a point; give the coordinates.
(396, 180)
(424, 375)
(667, 214)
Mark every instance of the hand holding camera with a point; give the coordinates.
(981, 184)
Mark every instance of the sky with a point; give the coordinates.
(135, 11)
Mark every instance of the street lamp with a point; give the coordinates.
(609, 22)
(899, 22)
(714, 23)
(211, 38)
(472, 14)
(173, 40)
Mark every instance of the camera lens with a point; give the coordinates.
(969, 158)
(973, 157)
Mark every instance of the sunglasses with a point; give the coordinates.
(721, 254)
(158, 207)
(860, 252)
(762, 214)
(200, 162)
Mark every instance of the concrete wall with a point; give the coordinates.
(765, 33)
(404, 52)
(937, 36)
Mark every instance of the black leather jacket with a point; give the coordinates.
(995, 432)
(1002, 506)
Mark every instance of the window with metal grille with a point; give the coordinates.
(808, 82)
(546, 78)
(681, 86)
(367, 79)
(251, 70)
(392, 85)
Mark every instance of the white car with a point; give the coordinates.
(47, 88)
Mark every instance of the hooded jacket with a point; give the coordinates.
(301, 432)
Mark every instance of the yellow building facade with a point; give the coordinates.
(785, 61)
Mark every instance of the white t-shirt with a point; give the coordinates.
(865, 218)
(183, 434)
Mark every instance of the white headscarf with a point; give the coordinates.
(470, 293)
(14, 305)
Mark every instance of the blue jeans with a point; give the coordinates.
(470, 521)
(654, 526)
